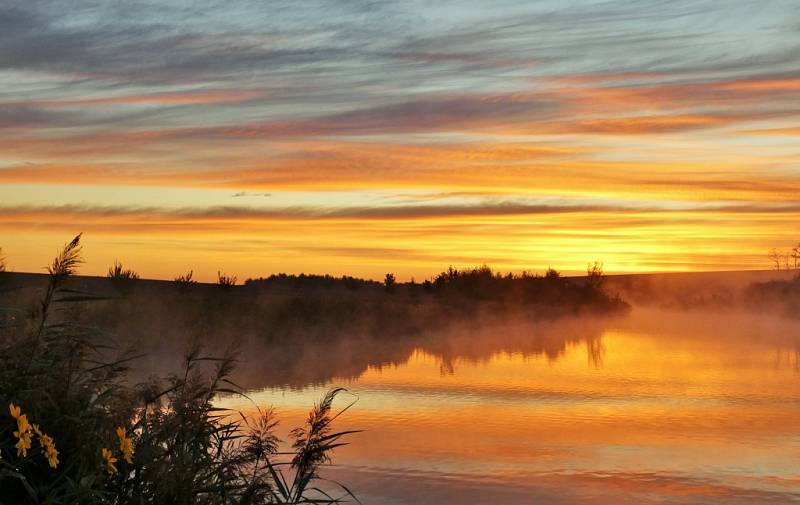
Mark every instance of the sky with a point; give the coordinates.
(362, 137)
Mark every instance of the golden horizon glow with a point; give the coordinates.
(376, 147)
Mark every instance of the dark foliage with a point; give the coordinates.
(74, 430)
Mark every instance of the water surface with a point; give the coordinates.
(652, 408)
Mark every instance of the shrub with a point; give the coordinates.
(186, 280)
(595, 278)
(389, 282)
(73, 431)
(117, 271)
(225, 281)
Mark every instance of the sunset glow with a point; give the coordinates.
(359, 138)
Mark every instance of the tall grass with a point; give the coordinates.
(186, 280)
(117, 271)
(226, 281)
(73, 430)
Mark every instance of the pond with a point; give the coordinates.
(654, 407)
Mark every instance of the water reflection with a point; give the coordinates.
(685, 408)
(300, 363)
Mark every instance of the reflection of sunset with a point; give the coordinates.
(664, 397)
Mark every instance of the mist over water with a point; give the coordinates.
(671, 402)
(700, 407)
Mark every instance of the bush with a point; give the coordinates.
(389, 282)
(73, 431)
(226, 281)
(186, 280)
(117, 271)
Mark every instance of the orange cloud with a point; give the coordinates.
(644, 125)
(770, 132)
(486, 168)
(765, 85)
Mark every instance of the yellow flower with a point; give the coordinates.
(49, 448)
(23, 425)
(125, 445)
(52, 457)
(24, 443)
(23, 432)
(109, 458)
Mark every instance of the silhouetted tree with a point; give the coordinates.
(2, 261)
(389, 282)
(775, 256)
(552, 273)
(303, 281)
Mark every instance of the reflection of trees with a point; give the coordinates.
(788, 356)
(299, 363)
(447, 367)
(595, 350)
(288, 340)
(479, 341)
